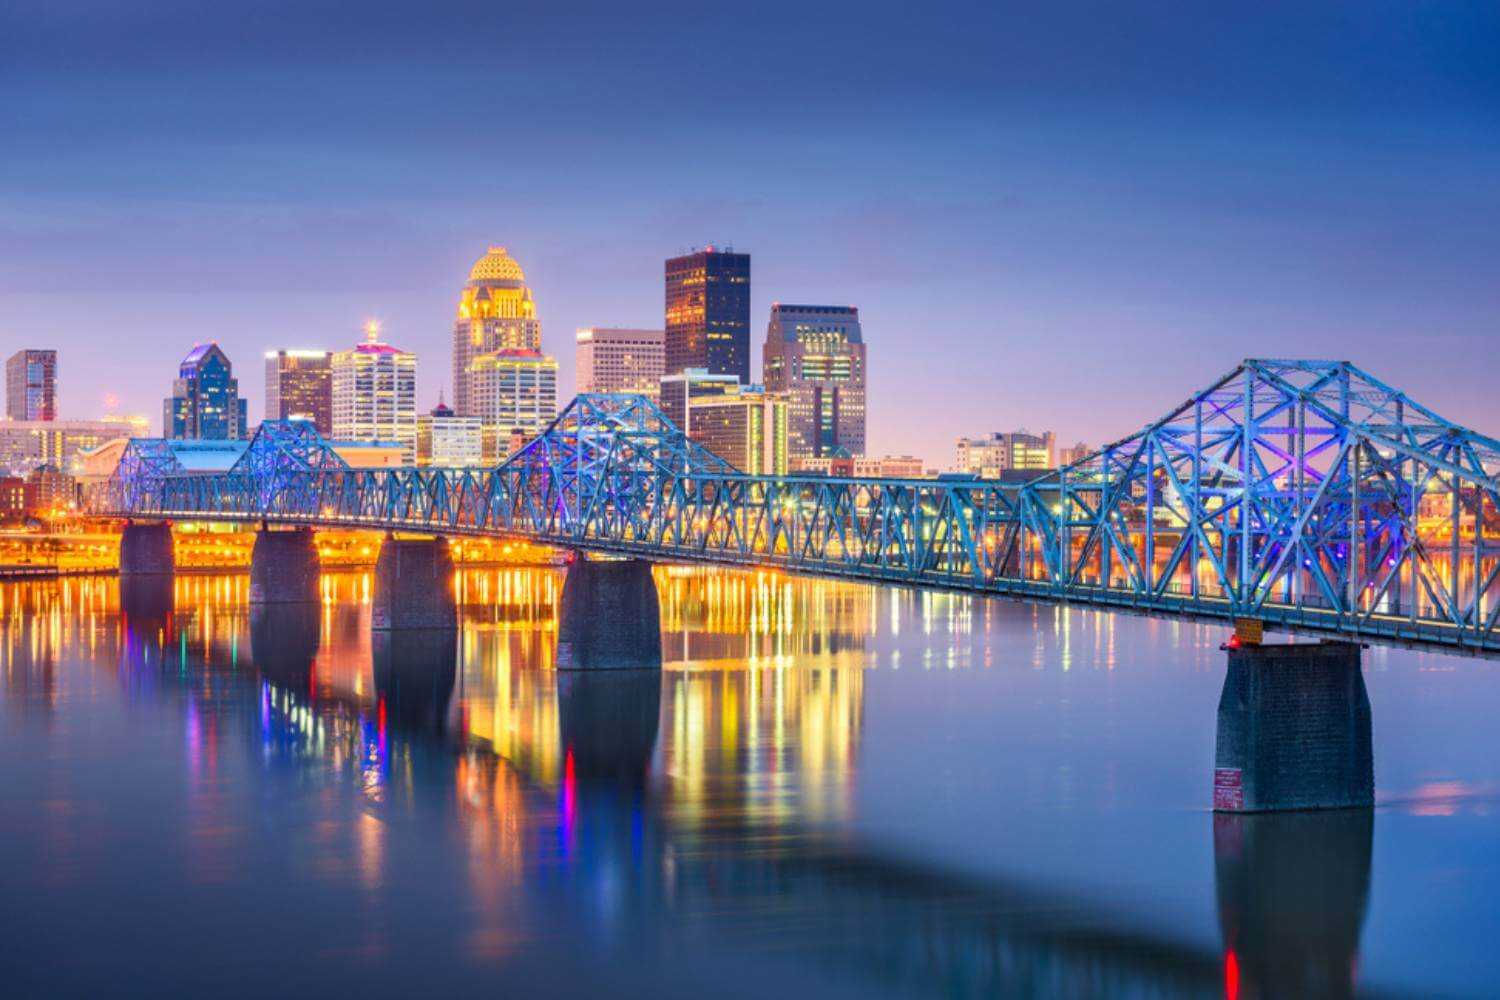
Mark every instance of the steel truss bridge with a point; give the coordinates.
(1306, 494)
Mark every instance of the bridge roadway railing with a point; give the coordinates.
(1050, 540)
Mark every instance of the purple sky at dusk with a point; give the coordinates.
(1063, 216)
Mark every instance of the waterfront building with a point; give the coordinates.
(1077, 453)
(885, 467)
(299, 386)
(679, 390)
(746, 428)
(495, 313)
(26, 444)
(372, 454)
(446, 440)
(890, 467)
(49, 488)
(512, 391)
(205, 403)
(12, 498)
(708, 313)
(610, 359)
(375, 393)
(814, 356)
(822, 465)
(990, 457)
(31, 385)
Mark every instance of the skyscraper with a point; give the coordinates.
(746, 428)
(615, 360)
(375, 393)
(708, 313)
(681, 390)
(205, 400)
(31, 385)
(299, 386)
(815, 356)
(495, 313)
(513, 392)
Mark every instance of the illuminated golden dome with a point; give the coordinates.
(497, 265)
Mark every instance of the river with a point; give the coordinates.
(829, 788)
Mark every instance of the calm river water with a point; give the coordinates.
(829, 789)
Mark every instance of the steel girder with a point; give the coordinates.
(1304, 493)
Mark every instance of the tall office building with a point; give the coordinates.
(991, 457)
(514, 394)
(495, 313)
(708, 313)
(31, 385)
(299, 386)
(814, 356)
(615, 360)
(680, 390)
(205, 401)
(746, 428)
(375, 393)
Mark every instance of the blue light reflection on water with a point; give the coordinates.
(829, 787)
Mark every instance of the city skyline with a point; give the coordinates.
(1019, 233)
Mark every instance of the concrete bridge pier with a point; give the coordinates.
(146, 549)
(414, 585)
(284, 567)
(1294, 730)
(609, 617)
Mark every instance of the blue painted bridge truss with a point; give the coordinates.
(1307, 494)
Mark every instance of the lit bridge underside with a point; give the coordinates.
(1304, 493)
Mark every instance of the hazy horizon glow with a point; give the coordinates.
(1066, 218)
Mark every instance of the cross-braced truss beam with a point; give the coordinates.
(1304, 493)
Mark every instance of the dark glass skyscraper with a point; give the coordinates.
(708, 313)
(31, 385)
(205, 400)
(299, 386)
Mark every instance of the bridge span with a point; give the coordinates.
(1306, 494)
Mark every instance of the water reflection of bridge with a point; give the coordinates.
(717, 810)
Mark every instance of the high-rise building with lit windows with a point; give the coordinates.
(205, 401)
(31, 385)
(746, 428)
(514, 394)
(610, 359)
(681, 390)
(375, 393)
(814, 356)
(299, 386)
(495, 313)
(708, 312)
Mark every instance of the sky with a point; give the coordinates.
(1060, 216)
